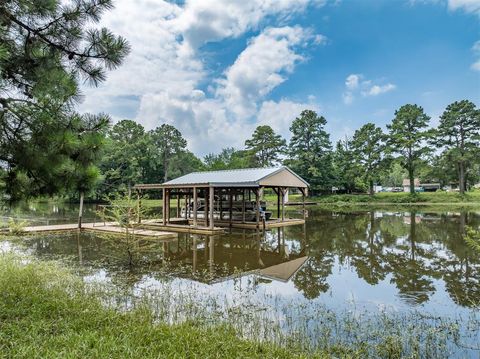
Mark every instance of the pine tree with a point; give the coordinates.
(46, 49)
(407, 135)
(169, 142)
(368, 149)
(459, 135)
(266, 146)
(311, 150)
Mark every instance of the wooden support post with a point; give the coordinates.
(80, 211)
(211, 196)
(205, 207)
(220, 203)
(139, 206)
(283, 203)
(195, 199)
(168, 206)
(230, 207)
(164, 206)
(257, 212)
(187, 200)
(243, 206)
(178, 204)
(303, 203)
(278, 203)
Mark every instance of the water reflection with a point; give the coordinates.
(414, 258)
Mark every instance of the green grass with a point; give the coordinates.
(472, 197)
(419, 198)
(46, 312)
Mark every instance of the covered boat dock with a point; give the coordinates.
(209, 201)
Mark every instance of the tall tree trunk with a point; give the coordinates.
(371, 187)
(80, 211)
(412, 180)
(461, 177)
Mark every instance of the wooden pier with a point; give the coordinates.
(209, 197)
(110, 228)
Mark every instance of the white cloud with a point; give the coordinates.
(355, 83)
(352, 81)
(347, 97)
(261, 67)
(279, 115)
(469, 6)
(379, 89)
(213, 20)
(163, 77)
(476, 50)
(476, 66)
(472, 6)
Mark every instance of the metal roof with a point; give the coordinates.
(248, 177)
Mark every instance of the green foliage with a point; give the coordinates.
(472, 238)
(228, 158)
(407, 136)
(368, 148)
(266, 146)
(345, 168)
(169, 141)
(47, 47)
(127, 155)
(48, 313)
(393, 175)
(458, 134)
(133, 156)
(310, 150)
(16, 227)
(439, 197)
(125, 211)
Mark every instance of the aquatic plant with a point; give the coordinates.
(16, 227)
(472, 238)
(126, 212)
(47, 313)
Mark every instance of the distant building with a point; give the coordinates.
(420, 187)
(406, 185)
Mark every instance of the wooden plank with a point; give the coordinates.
(184, 228)
(110, 227)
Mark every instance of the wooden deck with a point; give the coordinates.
(182, 225)
(110, 228)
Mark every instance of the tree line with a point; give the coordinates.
(410, 148)
(47, 148)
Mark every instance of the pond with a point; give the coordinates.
(368, 260)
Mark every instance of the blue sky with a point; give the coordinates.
(217, 69)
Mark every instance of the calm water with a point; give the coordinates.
(397, 261)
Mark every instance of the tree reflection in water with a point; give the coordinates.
(412, 252)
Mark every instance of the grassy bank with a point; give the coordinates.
(404, 198)
(46, 312)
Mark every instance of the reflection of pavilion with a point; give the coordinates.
(216, 259)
